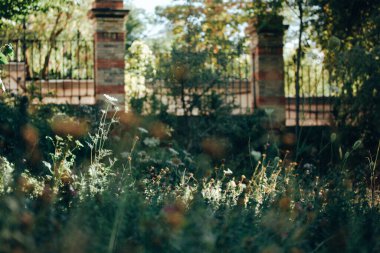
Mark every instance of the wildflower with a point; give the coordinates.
(269, 111)
(227, 172)
(231, 184)
(173, 151)
(143, 157)
(111, 100)
(124, 155)
(242, 186)
(256, 155)
(152, 142)
(79, 144)
(143, 130)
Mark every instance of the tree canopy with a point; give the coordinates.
(11, 9)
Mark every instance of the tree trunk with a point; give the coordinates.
(298, 66)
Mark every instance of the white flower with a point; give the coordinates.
(124, 155)
(227, 172)
(269, 111)
(152, 142)
(242, 186)
(143, 130)
(256, 155)
(110, 99)
(173, 151)
(79, 144)
(231, 184)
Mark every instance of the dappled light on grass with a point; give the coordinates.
(139, 190)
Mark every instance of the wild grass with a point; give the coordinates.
(150, 198)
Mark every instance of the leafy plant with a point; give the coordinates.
(5, 52)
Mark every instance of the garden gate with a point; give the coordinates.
(80, 71)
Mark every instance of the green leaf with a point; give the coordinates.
(357, 145)
(8, 50)
(3, 59)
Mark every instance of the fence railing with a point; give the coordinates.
(63, 71)
(317, 95)
(51, 69)
(197, 89)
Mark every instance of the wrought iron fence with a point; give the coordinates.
(189, 87)
(317, 95)
(51, 69)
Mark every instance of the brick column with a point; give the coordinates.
(268, 65)
(109, 16)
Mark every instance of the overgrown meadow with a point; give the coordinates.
(98, 180)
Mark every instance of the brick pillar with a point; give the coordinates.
(109, 16)
(268, 65)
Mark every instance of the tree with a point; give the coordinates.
(135, 25)
(12, 9)
(206, 39)
(349, 33)
(58, 19)
(40, 29)
(301, 9)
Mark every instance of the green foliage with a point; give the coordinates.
(359, 72)
(11, 9)
(349, 35)
(6, 175)
(5, 52)
(273, 208)
(154, 200)
(24, 126)
(135, 24)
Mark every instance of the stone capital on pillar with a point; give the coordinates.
(109, 43)
(266, 35)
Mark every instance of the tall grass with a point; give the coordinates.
(152, 200)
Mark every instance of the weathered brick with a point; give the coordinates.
(109, 48)
(267, 56)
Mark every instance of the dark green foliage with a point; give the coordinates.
(359, 104)
(330, 217)
(134, 25)
(146, 207)
(349, 34)
(11, 9)
(24, 128)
